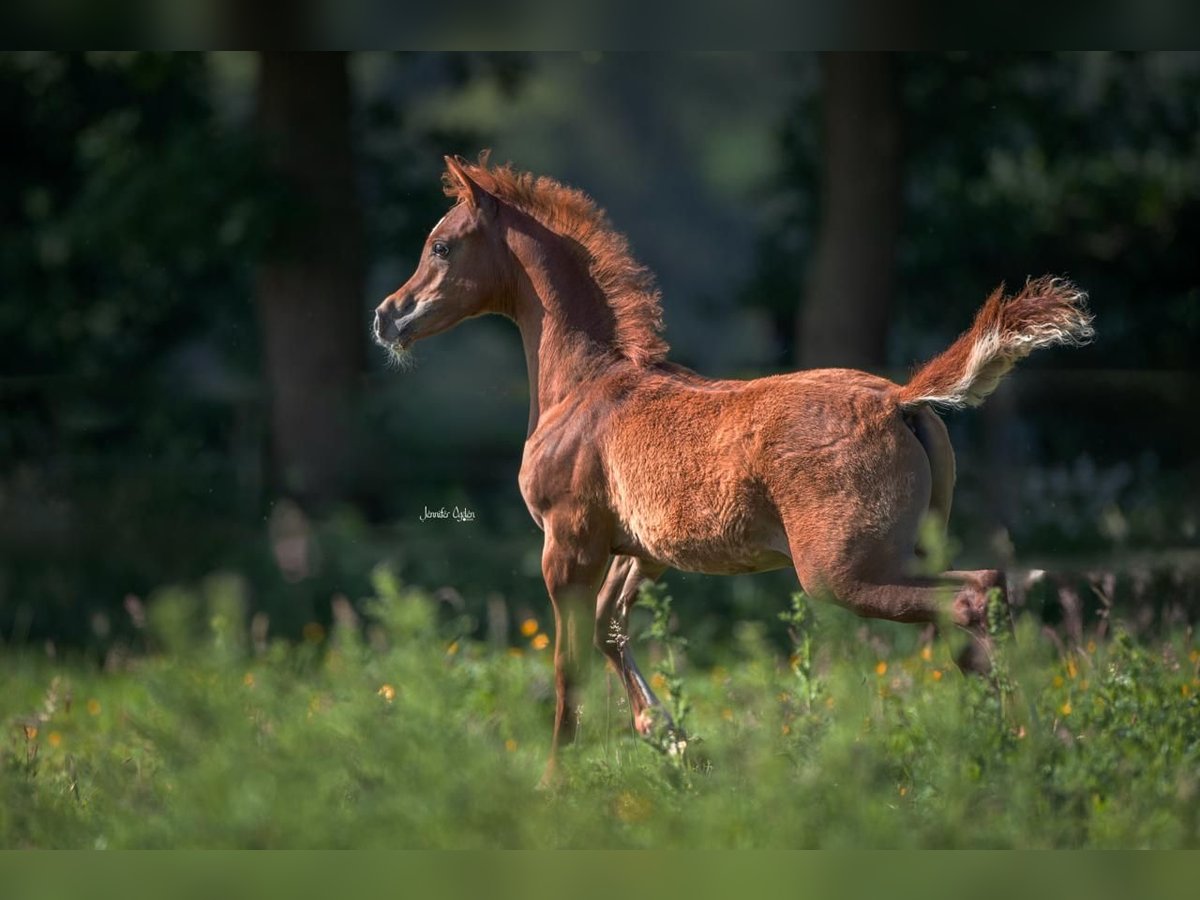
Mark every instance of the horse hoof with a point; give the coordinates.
(976, 657)
(552, 778)
(658, 729)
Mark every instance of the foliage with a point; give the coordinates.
(653, 598)
(130, 221)
(395, 731)
(134, 206)
(799, 621)
(249, 711)
(1018, 164)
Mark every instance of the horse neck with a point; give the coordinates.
(567, 328)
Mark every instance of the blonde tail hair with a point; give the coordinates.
(1047, 311)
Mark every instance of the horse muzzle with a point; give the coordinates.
(394, 323)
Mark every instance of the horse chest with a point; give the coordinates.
(557, 471)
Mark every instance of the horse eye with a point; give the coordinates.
(441, 249)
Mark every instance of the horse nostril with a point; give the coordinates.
(389, 315)
(385, 327)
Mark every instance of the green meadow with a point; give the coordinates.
(391, 728)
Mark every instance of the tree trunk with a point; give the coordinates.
(844, 320)
(310, 289)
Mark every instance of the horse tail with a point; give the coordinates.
(1047, 311)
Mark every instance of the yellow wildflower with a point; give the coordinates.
(93, 707)
(319, 703)
(936, 674)
(881, 668)
(510, 745)
(387, 692)
(540, 642)
(727, 714)
(632, 808)
(452, 649)
(54, 738)
(529, 627)
(1065, 709)
(248, 679)
(927, 653)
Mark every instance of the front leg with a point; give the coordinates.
(573, 563)
(620, 592)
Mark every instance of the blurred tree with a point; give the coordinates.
(309, 290)
(137, 218)
(845, 313)
(1080, 164)
(1016, 164)
(787, 238)
(128, 222)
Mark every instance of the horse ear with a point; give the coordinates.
(476, 197)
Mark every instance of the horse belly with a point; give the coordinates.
(716, 531)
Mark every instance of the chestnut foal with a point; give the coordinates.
(634, 465)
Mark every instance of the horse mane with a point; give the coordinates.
(628, 286)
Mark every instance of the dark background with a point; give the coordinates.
(191, 245)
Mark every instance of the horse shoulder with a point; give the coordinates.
(561, 466)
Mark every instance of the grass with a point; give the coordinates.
(394, 730)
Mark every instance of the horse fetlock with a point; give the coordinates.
(644, 722)
(655, 725)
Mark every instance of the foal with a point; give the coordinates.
(634, 465)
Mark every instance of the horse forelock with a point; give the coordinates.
(629, 287)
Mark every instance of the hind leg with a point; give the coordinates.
(618, 595)
(957, 597)
(873, 583)
(930, 430)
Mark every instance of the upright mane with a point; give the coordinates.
(628, 286)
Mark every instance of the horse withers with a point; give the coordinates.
(634, 465)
